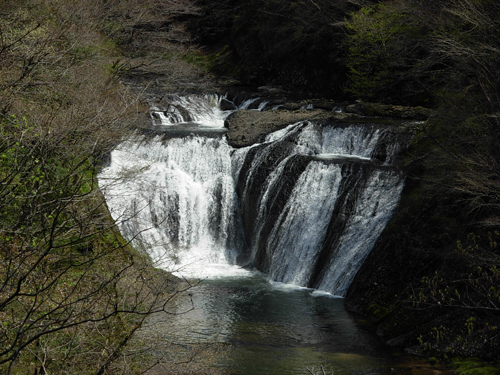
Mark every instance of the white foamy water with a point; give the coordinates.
(202, 110)
(339, 156)
(335, 210)
(176, 202)
(318, 201)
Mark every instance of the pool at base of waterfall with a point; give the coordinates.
(247, 325)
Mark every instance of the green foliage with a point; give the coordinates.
(387, 45)
(420, 53)
(72, 292)
(470, 42)
(378, 311)
(474, 366)
(201, 60)
(476, 288)
(369, 35)
(467, 281)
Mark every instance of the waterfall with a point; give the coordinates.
(175, 200)
(204, 111)
(314, 201)
(305, 206)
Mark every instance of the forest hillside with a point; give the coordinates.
(73, 81)
(72, 290)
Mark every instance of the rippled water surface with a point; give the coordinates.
(246, 325)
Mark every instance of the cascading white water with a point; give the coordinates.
(175, 200)
(376, 203)
(303, 223)
(313, 202)
(335, 210)
(203, 110)
(353, 140)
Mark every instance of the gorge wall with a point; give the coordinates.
(417, 254)
(450, 202)
(296, 45)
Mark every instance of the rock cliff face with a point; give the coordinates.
(298, 46)
(389, 111)
(420, 244)
(415, 245)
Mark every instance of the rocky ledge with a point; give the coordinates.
(247, 127)
(387, 110)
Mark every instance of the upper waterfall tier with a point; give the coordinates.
(205, 111)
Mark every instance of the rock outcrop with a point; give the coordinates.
(246, 127)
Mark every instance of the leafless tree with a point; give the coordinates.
(72, 291)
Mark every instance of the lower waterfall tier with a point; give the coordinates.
(306, 206)
(176, 202)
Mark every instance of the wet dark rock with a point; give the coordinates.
(411, 248)
(325, 104)
(226, 105)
